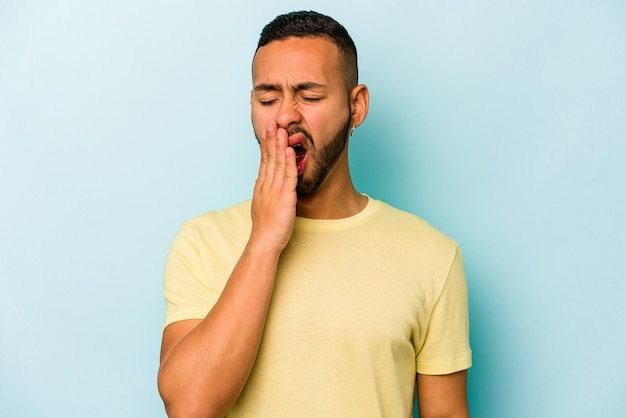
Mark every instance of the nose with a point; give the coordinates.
(288, 113)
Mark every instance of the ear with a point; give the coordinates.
(359, 104)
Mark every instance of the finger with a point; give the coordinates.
(269, 156)
(263, 144)
(282, 143)
(291, 169)
(266, 152)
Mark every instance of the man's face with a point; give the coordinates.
(299, 84)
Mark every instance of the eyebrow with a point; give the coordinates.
(307, 85)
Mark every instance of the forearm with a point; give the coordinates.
(204, 373)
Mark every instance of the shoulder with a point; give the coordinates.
(411, 229)
(214, 227)
(234, 216)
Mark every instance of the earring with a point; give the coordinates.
(352, 131)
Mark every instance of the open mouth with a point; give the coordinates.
(298, 141)
(300, 157)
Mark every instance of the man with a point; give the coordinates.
(312, 300)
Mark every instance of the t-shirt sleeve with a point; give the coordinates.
(187, 292)
(446, 346)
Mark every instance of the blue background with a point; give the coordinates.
(503, 123)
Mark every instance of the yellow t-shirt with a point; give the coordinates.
(360, 305)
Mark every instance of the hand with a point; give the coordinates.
(274, 199)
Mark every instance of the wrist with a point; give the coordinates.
(264, 248)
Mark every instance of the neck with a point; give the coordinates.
(337, 198)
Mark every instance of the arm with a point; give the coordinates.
(442, 396)
(206, 363)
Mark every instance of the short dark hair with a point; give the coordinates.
(303, 24)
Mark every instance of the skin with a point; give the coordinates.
(442, 396)
(298, 85)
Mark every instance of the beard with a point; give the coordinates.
(323, 159)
